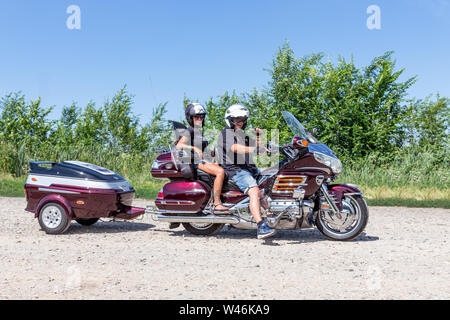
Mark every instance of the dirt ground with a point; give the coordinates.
(404, 253)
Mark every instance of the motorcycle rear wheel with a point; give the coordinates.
(344, 229)
(203, 229)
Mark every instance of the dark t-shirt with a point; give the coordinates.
(195, 138)
(234, 162)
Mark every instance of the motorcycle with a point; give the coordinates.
(295, 194)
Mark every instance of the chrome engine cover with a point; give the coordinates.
(242, 210)
(284, 214)
(281, 215)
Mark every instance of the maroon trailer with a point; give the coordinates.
(58, 193)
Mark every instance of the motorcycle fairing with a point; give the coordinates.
(322, 148)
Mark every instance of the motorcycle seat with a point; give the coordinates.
(228, 184)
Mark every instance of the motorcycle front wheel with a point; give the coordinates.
(354, 218)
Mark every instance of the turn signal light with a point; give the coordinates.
(299, 142)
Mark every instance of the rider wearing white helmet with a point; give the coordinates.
(236, 112)
(237, 148)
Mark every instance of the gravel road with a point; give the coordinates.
(404, 253)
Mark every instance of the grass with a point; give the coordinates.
(148, 190)
(410, 203)
(12, 187)
(411, 196)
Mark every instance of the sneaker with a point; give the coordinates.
(264, 231)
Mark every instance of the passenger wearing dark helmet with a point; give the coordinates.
(193, 140)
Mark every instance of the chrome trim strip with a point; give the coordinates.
(176, 202)
(283, 192)
(288, 184)
(164, 171)
(293, 176)
(280, 186)
(57, 191)
(48, 181)
(196, 191)
(313, 168)
(353, 194)
(176, 212)
(199, 219)
(74, 178)
(288, 191)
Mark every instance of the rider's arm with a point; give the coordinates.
(183, 145)
(239, 148)
(256, 145)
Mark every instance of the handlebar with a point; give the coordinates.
(285, 149)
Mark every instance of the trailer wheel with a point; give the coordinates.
(53, 218)
(87, 222)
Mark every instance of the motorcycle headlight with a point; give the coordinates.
(334, 163)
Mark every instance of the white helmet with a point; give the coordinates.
(236, 111)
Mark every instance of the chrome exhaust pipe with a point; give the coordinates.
(198, 219)
(245, 225)
(210, 218)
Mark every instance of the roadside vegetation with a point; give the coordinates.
(394, 147)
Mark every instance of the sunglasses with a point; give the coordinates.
(200, 116)
(239, 119)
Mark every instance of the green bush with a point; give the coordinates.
(382, 137)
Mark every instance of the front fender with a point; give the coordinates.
(340, 190)
(345, 188)
(57, 199)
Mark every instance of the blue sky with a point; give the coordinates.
(163, 50)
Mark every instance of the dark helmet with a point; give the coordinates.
(194, 109)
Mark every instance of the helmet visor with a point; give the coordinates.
(239, 119)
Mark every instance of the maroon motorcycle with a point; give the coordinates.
(295, 194)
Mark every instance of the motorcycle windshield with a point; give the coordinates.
(299, 131)
(297, 128)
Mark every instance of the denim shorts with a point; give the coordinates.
(245, 180)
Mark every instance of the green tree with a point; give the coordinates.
(23, 128)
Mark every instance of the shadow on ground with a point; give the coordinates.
(297, 236)
(109, 227)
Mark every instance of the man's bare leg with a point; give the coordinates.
(255, 209)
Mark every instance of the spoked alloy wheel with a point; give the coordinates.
(354, 218)
(53, 219)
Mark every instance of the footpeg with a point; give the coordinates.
(222, 212)
(174, 225)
